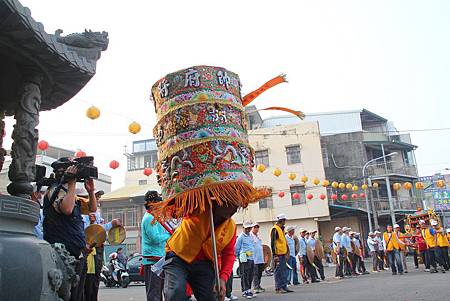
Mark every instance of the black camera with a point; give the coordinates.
(41, 180)
(85, 168)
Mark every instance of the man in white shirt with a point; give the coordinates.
(372, 243)
(339, 251)
(381, 254)
(292, 275)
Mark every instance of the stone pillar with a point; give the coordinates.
(25, 136)
(2, 129)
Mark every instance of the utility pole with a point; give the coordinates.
(388, 187)
(370, 185)
(372, 203)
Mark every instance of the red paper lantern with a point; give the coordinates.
(322, 197)
(43, 145)
(281, 194)
(354, 196)
(309, 196)
(362, 195)
(147, 171)
(344, 197)
(80, 154)
(296, 196)
(334, 197)
(114, 164)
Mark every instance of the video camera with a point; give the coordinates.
(41, 180)
(85, 168)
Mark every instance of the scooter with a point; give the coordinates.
(118, 277)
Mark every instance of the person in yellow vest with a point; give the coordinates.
(442, 247)
(403, 249)
(392, 248)
(280, 250)
(429, 234)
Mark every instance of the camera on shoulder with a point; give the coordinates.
(84, 165)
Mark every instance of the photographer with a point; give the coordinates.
(63, 222)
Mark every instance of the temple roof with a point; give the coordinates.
(67, 63)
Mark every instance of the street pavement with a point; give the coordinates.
(416, 285)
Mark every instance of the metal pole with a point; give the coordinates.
(367, 202)
(388, 187)
(374, 209)
(214, 249)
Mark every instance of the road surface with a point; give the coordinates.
(416, 285)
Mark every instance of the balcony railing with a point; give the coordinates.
(392, 168)
(381, 204)
(384, 137)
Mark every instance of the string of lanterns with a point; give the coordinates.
(341, 186)
(94, 113)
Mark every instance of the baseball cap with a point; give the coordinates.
(371, 233)
(337, 229)
(281, 216)
(396, 226)
(289, 228)
(248, 225)
(346, 229)
(421, 222)
(433, 222)
(152, 196)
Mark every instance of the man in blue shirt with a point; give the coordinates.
(338, 251)
(154, 237)
(259, 260)
(292, 274)
(244, 250)
(346, 243)
(302, 255)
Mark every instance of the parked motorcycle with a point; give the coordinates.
(115, 274)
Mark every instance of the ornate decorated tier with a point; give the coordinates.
(202, 141)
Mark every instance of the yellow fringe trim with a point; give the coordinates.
(239, 194)
(179, 146)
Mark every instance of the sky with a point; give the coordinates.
(390, 57)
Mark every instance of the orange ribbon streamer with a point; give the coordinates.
(299, 114)
(271, 83)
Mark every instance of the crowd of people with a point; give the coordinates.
(428, 244)
(61, 221)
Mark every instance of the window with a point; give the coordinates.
(142, 182)
(150, 160)
(266, 202)
(109, 214)
(130, 220)
(144, 146)
(325, 155)
(139, 147)
(262, 157)
(131, 248)
(301, 191)
(131, 163)
(125, 214)
(293, 154)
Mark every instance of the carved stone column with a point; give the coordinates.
(2, 150)
(25, 135)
